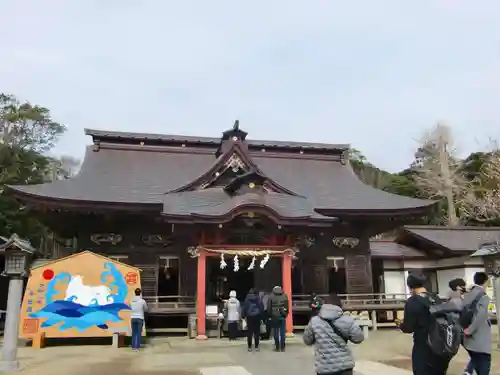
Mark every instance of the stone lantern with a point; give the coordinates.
(18, 255)
(490, 253)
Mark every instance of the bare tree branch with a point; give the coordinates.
(483, 204)
(438, 170)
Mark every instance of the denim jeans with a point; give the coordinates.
(136, 325)
(480, 362)
(279, 327)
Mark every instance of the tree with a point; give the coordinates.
(366, 171)
(26, 126)
(483, 203)
(19, 167)
(64, 167)
(439, 173)
(26, 131)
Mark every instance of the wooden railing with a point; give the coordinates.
(377, 301)
(300, 302)
(170, 303)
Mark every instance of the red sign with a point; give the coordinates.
(131, 278)
(30, 326)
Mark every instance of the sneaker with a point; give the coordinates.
(249, 349)
(257, 349)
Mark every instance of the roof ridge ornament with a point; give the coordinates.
(235, 133)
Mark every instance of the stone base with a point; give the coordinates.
(201, 337)
(9, 366)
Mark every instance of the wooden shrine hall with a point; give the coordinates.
(202, 216)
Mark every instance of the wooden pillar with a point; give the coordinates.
(200, 296)
(287, 289)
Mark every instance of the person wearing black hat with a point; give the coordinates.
(417, 319)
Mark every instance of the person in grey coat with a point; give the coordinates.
(329, 332)
(477, 340)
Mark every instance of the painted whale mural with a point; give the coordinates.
(86, 294)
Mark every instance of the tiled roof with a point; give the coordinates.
(252, 143)
(142, 175)
(389, 249)
(455, 239)
(215, 202)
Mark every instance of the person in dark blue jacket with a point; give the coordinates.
(253, 312)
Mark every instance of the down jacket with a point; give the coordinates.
(332, 353)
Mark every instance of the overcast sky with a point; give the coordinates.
(370, 73)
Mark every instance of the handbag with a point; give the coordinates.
(263, 327)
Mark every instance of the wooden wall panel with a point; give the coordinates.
(358, 273)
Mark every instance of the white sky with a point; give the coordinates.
(370, 73)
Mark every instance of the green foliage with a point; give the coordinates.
(27, 126)
(19, 167)
(26, 131)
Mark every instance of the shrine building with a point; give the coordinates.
(202, 216)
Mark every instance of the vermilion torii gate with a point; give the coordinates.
(201, 253)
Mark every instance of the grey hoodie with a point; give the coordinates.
(233, 309)
(139, 307)
(478, 338)
(332, 353)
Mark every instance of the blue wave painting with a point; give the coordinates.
(74, 315)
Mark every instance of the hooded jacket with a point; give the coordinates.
(277, 304)
(252, 307)
(478, 337)
(232, 308)
(332, 353)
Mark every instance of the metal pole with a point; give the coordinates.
(496, 292)
(9, 361)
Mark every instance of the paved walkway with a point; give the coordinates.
(213, 357)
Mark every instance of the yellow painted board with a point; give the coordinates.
(82, 295)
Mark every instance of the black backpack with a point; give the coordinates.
(469, 311)
(445, 333)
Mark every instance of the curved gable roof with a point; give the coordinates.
(135, 173)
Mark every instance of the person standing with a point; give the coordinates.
(477, 340)
(458, 288)
(138, 307)
(253, 312)
(278, 308)
(314, 304)
(232, 315)
(266, 316)
(330, 331)
(417, 320)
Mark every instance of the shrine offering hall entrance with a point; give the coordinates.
(220, 270)
(222, 280)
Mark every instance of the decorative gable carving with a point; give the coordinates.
(232, 163)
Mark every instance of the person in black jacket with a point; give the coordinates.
(253, 312)
(416, 321)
